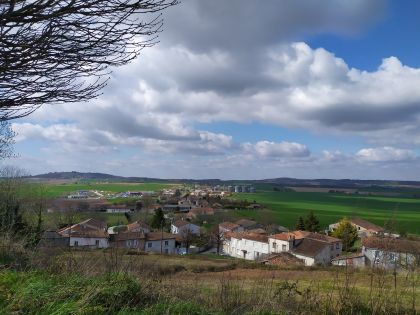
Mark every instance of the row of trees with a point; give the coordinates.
(309, 223)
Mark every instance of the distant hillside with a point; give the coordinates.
(285, 181)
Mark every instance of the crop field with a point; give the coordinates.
(60, 190)
(286, 207)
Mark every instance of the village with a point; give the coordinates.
(176, 222)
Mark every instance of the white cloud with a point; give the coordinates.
(385, 154)
(269, 149)
(219, 63)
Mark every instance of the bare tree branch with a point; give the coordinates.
(56, 51)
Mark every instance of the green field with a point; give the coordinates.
(286, 207)
(60, 190)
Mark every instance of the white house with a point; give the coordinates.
(316, 248)
(364, 228)
(184, 227)
(90, 233)
(312, 248)
(160, 242)
(246, 245)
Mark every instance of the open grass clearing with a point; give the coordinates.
(286, 207)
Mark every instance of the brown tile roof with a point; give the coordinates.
(367, 225)
(258, 231)
(322, 237)
(309, 247)
(157, 236)
(250, 236)
(392, 244)
(246, 223)
(181, 223)
(283, 259)
(285, 236)
(94, 223)
(90, 234)
(355, 255)
(228, 225)
(76, 228)
(129, 236)
(136, 225)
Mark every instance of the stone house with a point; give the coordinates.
(391, 253)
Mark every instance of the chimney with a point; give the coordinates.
(291, 239)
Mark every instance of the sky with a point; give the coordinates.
(245, 89)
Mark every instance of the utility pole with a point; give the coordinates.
(161, 236)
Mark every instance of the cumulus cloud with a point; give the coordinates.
(385, 154)
(248, 25)
(269, 149)
(239, 61)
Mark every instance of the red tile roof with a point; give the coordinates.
(285, 236)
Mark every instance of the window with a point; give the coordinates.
(274, 245)
(283, 248)
(149, 245)
(332, 246)
(166, 243)
(337, 246)
(97, 243)
(76, 243)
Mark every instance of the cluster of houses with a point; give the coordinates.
(379, 249)
(212, 191)
(246, 239)
(94, 234)
(254, 244)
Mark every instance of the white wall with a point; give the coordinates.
(89, 242)
(252, 249)
(188, 228)
(309, 261)
(168, 246)
(278, 246)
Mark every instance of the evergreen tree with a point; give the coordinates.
(346, 232)
(312, 223)
(158, 219)
(300, 225)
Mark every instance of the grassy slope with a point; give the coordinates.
(183, 285)
(288, 206)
